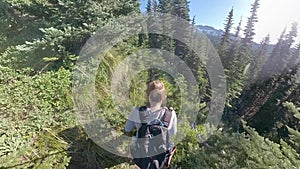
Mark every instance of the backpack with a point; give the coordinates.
(153, 136)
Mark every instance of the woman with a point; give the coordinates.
(156, 95)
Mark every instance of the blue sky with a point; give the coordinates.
(214, 12)
(273, 15)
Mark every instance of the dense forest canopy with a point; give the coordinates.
(42, 40)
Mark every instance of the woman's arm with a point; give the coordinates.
(173, 124)
(129, 126)
(132, 119)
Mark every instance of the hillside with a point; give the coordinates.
(72, 72)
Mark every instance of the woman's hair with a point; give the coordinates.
(156, 91)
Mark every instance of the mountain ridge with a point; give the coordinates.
(214, 35)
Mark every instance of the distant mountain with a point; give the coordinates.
(209, 30)
(215, 35)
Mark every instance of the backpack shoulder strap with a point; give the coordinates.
(143, 115)
(166, 118)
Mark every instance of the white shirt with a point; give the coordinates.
(135, 122)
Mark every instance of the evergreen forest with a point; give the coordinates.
(41, 42)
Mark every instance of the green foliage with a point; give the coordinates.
(46, 150)
(29, 106)
(259, 59)
(249, 31)
(264, 153)
(60, 29)
(185, 149)
(39, 43)
(137, 89)
(235, 150)
(294, 135)
(293, 109)
(223, 45)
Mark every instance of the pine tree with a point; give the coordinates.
(292, 34)
(181, 10)
(235, 44)
(234, 70)
(72, 22)
(147, 39)
(149, 6)
(166, 6)
(194, 20)
(189, 58)
(281, 53)
(295, 57)
(294, 133)
(249, 31)
(245, 54)
(227, 28)
(234, 76)
(286, 51)
(272, 90)
(268, 153)
(155, 6)
(238, 28)
(223, 45)
(236, 150)
(156, 40)
(269, 67)
(260, 58)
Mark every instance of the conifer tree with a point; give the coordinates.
(295, 57)
(274, 88)
(189, 58)
(238, 150)
(294, 133)
(166, 6)
(234, 75)
(286, 51)
(259, 58)
(238, 28)
(235, 44)
(249, 31)
(281, 53)
(149, 6)
(269, 67)
(156, 40)
(72, 22)
(292, 34)
(181, 10)
(227, 28)
(279, 44)
(194, 20)
(223, 45)
(234, 69)
(245, 55)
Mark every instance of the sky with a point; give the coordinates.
(273, 15)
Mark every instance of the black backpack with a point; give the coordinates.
(153, 136)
